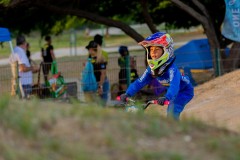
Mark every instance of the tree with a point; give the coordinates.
(213, 33)
(108, 12)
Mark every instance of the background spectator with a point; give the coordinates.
(99, 39)
(100, 68)
(122, 62)
(25, 68)
(28, 53)
(48, 56)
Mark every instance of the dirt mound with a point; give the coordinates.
(217, 102)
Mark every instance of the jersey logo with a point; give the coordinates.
(143, 76)
(171, 74)
(185, 79)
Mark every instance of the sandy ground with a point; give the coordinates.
(217, 102)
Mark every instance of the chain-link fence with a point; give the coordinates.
(71, 69)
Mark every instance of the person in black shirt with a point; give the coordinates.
(48, 56)
(100, 66)
(28, 53)
(99, 39)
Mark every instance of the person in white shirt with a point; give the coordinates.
(25, 68)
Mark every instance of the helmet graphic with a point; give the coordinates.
(164, 41)
(157, 39)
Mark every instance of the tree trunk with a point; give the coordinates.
(208, 26)
(232, 62)
(214, 47)
(107, 32)
(147, 17)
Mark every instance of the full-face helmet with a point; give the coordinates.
(163, 40)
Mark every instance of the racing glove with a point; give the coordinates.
(123, 97)
(161, 100)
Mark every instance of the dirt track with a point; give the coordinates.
(217, 102)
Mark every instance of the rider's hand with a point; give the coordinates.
(123, 97)
(161, 100)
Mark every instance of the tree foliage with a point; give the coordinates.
(37, 15)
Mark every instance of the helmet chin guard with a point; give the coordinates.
(161, 70)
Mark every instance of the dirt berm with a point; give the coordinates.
(217, 102)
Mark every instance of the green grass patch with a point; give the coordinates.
(37, 130)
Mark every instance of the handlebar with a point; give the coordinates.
(166, 103)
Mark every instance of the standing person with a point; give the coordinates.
(25, 69)
(122, 63)
(100, 68)
(99, 39)
(28, 53)
(160, 58)
(48, 56)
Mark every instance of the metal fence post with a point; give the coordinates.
(217, 61)
(128, 70)
(73, 43)
(102, 30)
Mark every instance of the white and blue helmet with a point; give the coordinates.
(164, 41)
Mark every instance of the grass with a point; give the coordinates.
(46, 130)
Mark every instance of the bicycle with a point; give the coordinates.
(131, 106)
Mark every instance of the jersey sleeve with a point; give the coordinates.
(175, 78)
(139, 83)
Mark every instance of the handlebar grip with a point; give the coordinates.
(155, 102)
(118, 98)
(166, 102)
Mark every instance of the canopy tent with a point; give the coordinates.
(5, 36)
(195, 54)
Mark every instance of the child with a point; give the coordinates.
(122, 63)
(160, 58)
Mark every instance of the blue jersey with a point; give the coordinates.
(178, 83)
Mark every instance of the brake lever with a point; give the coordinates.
(155, 102)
